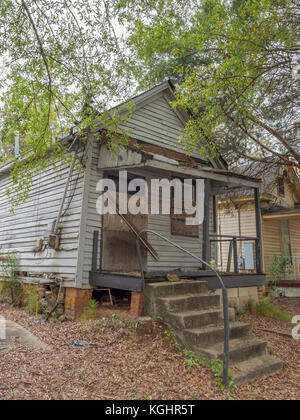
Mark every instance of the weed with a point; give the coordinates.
(13, 287)
(93, 304)
(280, 268)
(14, 392)
(32, 301)
(217, 368)
(192, 360)
(265, 308)
(169, 336)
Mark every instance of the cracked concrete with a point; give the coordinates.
(19, 336)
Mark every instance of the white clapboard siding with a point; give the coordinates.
(20, 228)
(92, 220)
(170, 257)
(157, 123)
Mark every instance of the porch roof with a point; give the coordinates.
(128, 159)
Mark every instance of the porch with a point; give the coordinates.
(115, 260)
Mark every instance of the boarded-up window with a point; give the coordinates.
(285, 238)
(178, 225)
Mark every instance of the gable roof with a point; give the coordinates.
(167, 89)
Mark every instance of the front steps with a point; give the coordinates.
(196, 316)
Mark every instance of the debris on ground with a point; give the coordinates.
(128, 366)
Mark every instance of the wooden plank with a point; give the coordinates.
(206, 228)
(239, 281)
(259, 255)
(201, 173)
(115, 281)
(178, 227)
(95, 250)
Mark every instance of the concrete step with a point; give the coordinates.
(189, 302)
(210, 336)
(255, 368)
(164, 289)
(196, 318)
(240, 350)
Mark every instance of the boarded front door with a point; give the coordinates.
(119, 242)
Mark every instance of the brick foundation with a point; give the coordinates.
(261, 290)
(137, 304)
(76, 301)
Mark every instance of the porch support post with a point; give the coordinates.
(206, 228)
(95, 250)
(259, 257)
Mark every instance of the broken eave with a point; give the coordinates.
(129, 159)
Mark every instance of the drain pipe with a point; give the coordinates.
(62, 203)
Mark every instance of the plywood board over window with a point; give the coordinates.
(179, 226)
(119, 241)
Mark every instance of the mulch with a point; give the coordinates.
(119, 364)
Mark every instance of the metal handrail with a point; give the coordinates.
(224, 290)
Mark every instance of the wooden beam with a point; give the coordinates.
(188, 172)
(116, 281)
(233, 282)
(259, 255)
(206, 230)
(203, 173)
(235, 256)
(95, 250)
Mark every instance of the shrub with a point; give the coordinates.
(280, 268)
(93, 304)
(32, 299)
(265, 308)
(12, 287)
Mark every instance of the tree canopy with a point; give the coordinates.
(60, 60)
(232, 63)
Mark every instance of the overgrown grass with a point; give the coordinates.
(265, 308)
(33, 302)
(12, 289)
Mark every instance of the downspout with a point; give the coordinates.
(62, 203)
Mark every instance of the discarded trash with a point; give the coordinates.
(76, 344)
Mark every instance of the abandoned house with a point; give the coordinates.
(62, 239)
(280, 216)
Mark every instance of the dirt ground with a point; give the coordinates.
(116, 363)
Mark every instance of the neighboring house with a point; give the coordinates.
(61, 238)
(280, 218)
